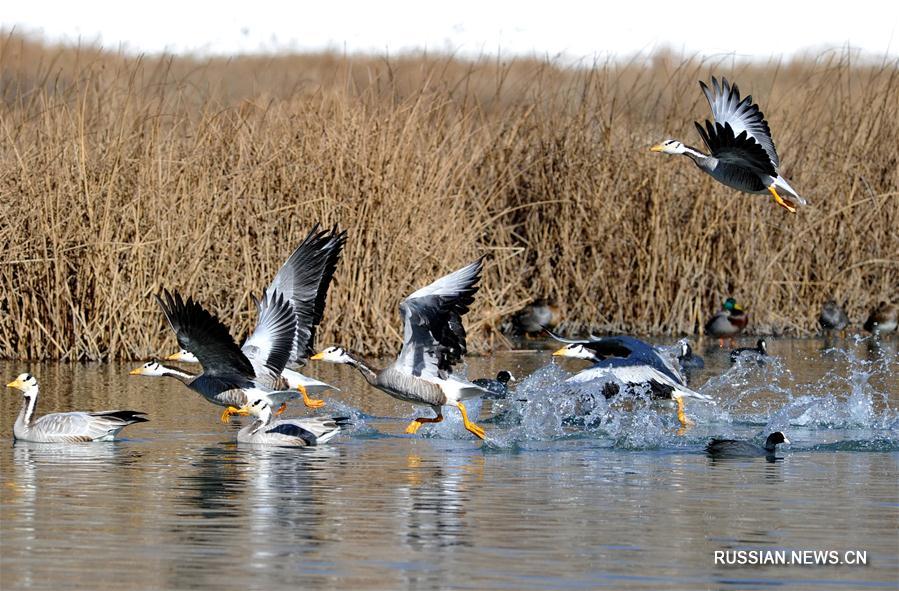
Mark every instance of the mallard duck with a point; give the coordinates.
(727, 322)
(633, 362)
(732, 448)
(303, 281)
(66, 427)
(285, 432)
(883, 319)
(229, 377)
(759, 352)
(496, 388)
(433, 342)
(742, 151)
(832, 316)
(535, 317)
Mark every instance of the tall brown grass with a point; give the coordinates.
(120, 175)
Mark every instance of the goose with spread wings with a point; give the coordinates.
(634, 363)
(303, 281)
(742, 154)
(229, 377)
(433, 342)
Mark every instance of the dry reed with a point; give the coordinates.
(120, 175)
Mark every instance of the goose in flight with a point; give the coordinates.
(433, 342)
(303, 281)
(66, 427)
(742, 154)
(633, 362)
(229, 377)
(285, 432)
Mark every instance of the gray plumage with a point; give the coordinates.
(66, 427)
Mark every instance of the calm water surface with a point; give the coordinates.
(553, 500)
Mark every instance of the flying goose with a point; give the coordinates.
(433, 342)
(633, 362)
(285, 432)
(66, 427)
(303, 281)
(742, 151)
(732, 448)
(728, 322)
(229, 377)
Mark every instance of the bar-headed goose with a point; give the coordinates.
(229, 377)
(285, 432)
(66, 427)
(742, 151)
(303, 281)
(433, 342)
(633, 362)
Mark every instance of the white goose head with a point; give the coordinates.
(26, 383)
(184, 356)
(334, 355)
(669, 147)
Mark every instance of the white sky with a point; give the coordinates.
(747, 28)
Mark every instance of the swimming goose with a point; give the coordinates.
(285, 432)
(303, 280)
(833, 317)
(742, 151)
(498, 387)
(883, 319)
(633, 362)
(728, 322)
(732, 448)
(66, 427)
(759, 352)
(229, 378)
(433, 342)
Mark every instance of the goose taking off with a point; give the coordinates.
(229, 377)
(742, 151)
(303, 281)
(633, 362)
(433, 341)
(66, 427)
(285, 432)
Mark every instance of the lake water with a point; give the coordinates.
(554, 499)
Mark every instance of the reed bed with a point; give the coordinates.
(120, 175)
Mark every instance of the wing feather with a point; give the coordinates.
(742, 115)
(740, 150)
(269, 346)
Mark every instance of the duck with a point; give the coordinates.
(303, 280)
(291, 432)
(535, 317)
(433, 342)
(742, 154)
(732, 448)
(496, 388)
(229, 378)
(759, 352)
(832, 316)
(635, 363)
(687, 359)
(728, 322)
(66, 427)
(883, 319)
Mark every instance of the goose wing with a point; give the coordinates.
(737, 150)
(304, 279)
(433, 334)
(742, 115)
(201, 333)
(269, 346)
